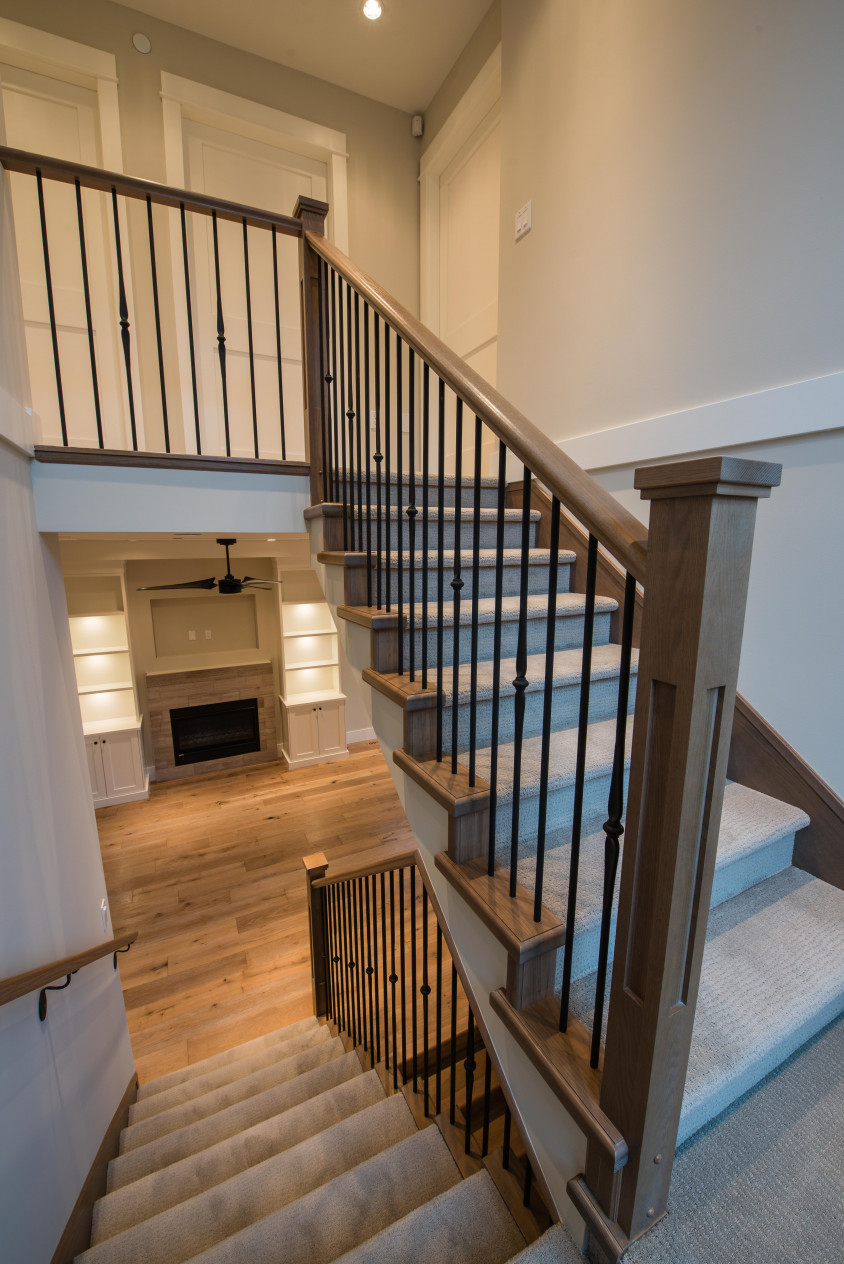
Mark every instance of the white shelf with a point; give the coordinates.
(319, 695)
(310, 632)
(119, 724)
(317, 662)
(115, 687)
(105, 649)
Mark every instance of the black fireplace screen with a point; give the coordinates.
(215, 731)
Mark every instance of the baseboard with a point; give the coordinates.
(359, 735)
(77, 1234)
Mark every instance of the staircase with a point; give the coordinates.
(287, 1148)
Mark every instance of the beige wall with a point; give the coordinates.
(471, 61)
(684, 166)
(383, 157)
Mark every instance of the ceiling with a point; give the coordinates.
(400, 60)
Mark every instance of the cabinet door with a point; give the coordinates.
(122, 762)
(304, 734)
(331, 719)
(95, 767)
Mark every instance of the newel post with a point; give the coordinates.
(312, 214)
(699, 546)
(315, 867)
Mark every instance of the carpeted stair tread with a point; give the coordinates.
(568, 604)
(217, 1099)
(567, 671)
(198, 1172)
(278, 1037)
(561, 763)
(468, 1224)
(193, 1138)
(554, 1247)
(331, 1220)
(183, 1231)
(228, 1073)
(486, 558)
(467, 514)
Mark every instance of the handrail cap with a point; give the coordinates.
(708, 476)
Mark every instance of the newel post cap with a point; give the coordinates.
(311, 212)
(315, 865)
(708, 476)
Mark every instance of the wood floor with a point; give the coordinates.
(209, 872)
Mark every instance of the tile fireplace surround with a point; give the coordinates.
(195, 688)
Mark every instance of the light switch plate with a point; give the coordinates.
(524, 220)
(191, 636)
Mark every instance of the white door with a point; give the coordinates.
(53, 117)
(262, 175)
(304, 733)
(331, 718)
(122, 763)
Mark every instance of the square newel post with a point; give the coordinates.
(315, 867)
(699, 546)
(312, 214)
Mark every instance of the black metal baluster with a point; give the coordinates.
(346, 964)
(528, 1182)
(469, 1067)
(505, 1155)
(384, 975)
(412, 511)
(123, 308)
(335, 490)
(456, 583)
(400, 506)
(157, 313)
(278, 350)
(358, 423)
(191, 346)
(413, 988)
(547, 706)
(337, 958)
(393, 975)
(388, 497)
(476, 577)
(426, 373)
(366, 955)
(452, 1092)
(325, 378)
(326, 957)
(496, 657)
(579, 772)
(367, 429)
(372, 970)
(344, 477)
(221, 334)
(439, 1018)
(91, 352)
(403, 960)
(48, 275)
(440, 567)
(520, 682)
(350, 417)
(487, 1097)
(613, 829)
(250, 341)
(378, 458)
(359, 979)
(426, 992)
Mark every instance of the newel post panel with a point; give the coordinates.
(315, 867)
(312, 214)
(699, 546)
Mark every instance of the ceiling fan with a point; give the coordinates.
(228, 584)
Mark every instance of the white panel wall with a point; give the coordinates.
(63, 1079)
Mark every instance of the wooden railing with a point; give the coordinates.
(392, 479)
(158, 319)
(35, 980)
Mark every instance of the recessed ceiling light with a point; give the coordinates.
(372, 9)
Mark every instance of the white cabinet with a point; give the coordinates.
(313, 731)
(115, 765)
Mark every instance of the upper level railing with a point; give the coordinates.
(157, 319)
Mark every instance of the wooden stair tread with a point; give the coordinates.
(509, 918)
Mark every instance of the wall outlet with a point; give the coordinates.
(524, 220)
(191, 635)
(208, 634)
(104, 913)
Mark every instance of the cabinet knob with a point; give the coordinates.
(104, 741)
(96, 743)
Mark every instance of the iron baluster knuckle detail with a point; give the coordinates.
(470, 1064)
(394, 978)
(425, 989)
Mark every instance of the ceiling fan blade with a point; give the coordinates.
(254, 584)
(192, 583)
(251, 579)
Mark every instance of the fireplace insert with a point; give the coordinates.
(215, 731)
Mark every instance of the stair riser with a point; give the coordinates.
(511, 582)
(569, 634)
(488, 535)
(489, 495)
(603, 705)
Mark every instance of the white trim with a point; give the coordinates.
(781, 412)
(473, 107)
(46, 52)
(360, 735)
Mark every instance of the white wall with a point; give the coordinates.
(63, 1079)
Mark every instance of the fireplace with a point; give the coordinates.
(216, 730)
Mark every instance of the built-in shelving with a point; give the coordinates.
(313, 707)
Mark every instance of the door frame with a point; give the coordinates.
(473, 107)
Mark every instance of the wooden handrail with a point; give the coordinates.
(130, 186)
(612, 525)
(32, 980)
(400, 861)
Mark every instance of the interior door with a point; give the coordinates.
(50, 116)
(254, 173)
